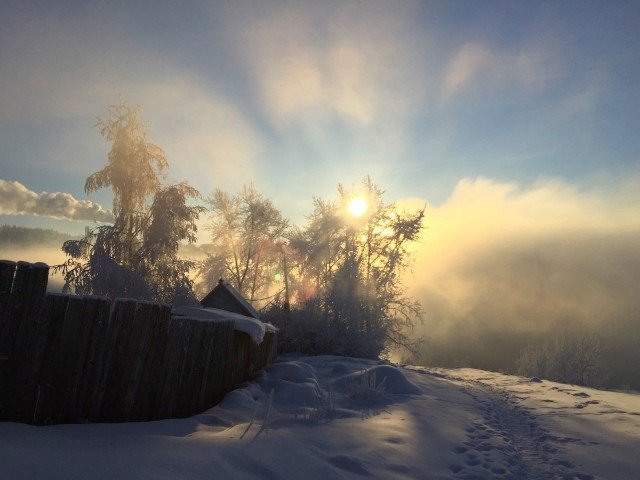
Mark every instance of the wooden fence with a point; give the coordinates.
(76, 359)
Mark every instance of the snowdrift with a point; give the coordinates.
(297, 421)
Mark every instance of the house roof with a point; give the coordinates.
(236, 297)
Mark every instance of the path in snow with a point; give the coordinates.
(510, 442)
(520, 429)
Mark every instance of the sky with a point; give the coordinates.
(297, 97)
(515, 123)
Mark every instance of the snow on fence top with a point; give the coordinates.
(252, 326)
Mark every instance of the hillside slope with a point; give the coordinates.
(328, 420)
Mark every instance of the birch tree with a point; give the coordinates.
(137, 256)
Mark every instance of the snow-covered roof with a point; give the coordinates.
(235, 295)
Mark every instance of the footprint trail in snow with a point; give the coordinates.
(508, 442)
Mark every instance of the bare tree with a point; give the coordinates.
(246, 229)
(575, 359)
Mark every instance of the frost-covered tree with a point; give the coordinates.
(349, 265)
(134, 170)
(170, 221)
(246, 230)
(137, 256)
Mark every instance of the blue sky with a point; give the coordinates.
(297, 97)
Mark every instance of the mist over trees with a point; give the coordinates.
(12, 236)
(332, 285)
(573, 359)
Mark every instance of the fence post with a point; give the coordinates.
(28, 329)
(29, 286)
(7, 271)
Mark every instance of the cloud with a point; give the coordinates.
(206, 137)
(476, 63)
(16, 199)
(64, 71)
(320, 66)
(500, 260)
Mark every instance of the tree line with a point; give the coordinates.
(332, 285)
(14, 236)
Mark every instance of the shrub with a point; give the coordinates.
(575, 360)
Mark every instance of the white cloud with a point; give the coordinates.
(476, 63)
(318, 66)
(16, 199)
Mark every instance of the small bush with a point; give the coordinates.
(323, 409)
(366, 388)
(306, 331)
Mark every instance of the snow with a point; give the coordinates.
(252, 326)
(425, 423)
(395, 381)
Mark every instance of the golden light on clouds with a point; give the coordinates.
(357, 206)
(498, 255)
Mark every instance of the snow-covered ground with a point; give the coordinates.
(327, 420)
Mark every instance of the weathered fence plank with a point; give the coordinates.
(122, 315)
(148, 401)
(97, 310)
(137, 354)
(48, 407)
(184, 340)
(205, 364)
(7, 271)
(98, 359)
(25, 363)
(67, 360)
(171, 367)
(131, 359)
(22, 334)
(222, 361)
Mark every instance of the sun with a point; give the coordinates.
(357, 206)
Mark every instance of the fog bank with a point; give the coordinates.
(501, 266)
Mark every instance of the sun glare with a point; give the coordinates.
(357, 207)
